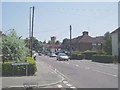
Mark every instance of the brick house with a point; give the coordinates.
(86, 42)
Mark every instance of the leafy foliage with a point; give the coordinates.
(103, 58)
(108, 43)
(7, 68)
(37, 45)
(88, 54)
(13, 48)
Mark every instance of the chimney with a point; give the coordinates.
(85, 33)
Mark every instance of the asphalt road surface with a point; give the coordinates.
(83, 73)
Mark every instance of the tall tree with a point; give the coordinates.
(57, 42)
(65, 44)
(49, 42)
(37, 45)
(13, 48)
(108, 43)
(65, 41)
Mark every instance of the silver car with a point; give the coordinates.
(53, 55)
(62, 56)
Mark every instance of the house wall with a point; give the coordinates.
(82, 46)
(115, 44)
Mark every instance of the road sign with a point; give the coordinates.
(21, 64)
(16, 64)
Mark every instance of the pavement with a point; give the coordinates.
(45, 76)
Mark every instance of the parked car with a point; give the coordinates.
(62, 56)
(53, 55)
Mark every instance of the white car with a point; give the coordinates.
(53, 55)
(62, 56)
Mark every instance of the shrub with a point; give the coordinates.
(8, 70)
(77, 55)
(32, 66)
(88, 54)
(13, 48)
(103, 58)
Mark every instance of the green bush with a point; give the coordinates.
(103, 58)
(32, 66)
(88, 54)
(13, 48)
(8, 70)
(77, 55)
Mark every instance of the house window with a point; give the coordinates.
(93, 44)
(99, 44)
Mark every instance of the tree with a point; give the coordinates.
(65, 41)
(37, 45)
(107, 47)
(49, 42)
(13, 48)
(44, 42)
(65, 44)
(57, 42)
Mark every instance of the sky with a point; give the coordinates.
(54, 18)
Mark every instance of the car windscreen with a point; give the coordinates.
(62, 54)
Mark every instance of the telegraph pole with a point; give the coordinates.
(30, 30)
(70, 41)
(31, 27)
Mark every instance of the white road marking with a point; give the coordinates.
(73, 87)
(67, 63)
(105, 73)
(77, 65)
(65, 82)
(59, 86)
(69, 85)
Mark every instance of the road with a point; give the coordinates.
(66, 74)
(83, 73)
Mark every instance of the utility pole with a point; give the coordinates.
(30, 30)
(31, 27)
(70, 41)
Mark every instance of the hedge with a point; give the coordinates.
(77, 56)
(32, 66)
(103, 58)
(88, 54)
(7, 68)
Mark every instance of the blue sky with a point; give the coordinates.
(53, 19)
